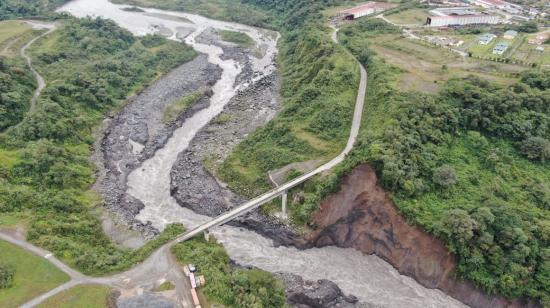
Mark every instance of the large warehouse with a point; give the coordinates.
(365, 9)
(459, 17)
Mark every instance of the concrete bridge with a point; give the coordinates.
(283, 189)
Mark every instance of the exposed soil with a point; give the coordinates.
(362, 216)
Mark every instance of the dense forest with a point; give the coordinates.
(17, 85)
(25, 8)
(91, 66)
(228, 285)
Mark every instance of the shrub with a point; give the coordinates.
(7, 272)
(536, 148)
(445, 176)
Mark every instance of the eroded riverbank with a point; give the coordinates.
(150, 184)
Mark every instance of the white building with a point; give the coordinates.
(462, 20)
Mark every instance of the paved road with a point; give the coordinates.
(160, 264)
(256, 202)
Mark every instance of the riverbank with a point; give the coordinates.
(138, 130)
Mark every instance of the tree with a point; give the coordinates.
(458, 225)
(536, 148)
(445, 176)
(7, 272)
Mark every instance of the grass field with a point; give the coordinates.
(12, 34)
(11, 29)
(33, 276)
(425, 67)
(413, 16)
(82, 296)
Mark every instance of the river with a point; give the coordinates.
(371, 279)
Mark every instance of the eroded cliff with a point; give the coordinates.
(362, 216)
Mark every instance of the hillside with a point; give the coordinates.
(90, 66)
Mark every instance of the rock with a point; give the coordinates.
(315, 294)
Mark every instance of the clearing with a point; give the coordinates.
(425, 67)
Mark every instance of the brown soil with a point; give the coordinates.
(362, 216)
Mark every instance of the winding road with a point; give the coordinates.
(161, 264)
(41, 83)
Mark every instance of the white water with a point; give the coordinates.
(371, 279)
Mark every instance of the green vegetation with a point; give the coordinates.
(31, 275)
(468, 164)
(413, 16)
(18, 8)
(217, 9)
(6, 275)
(173, 111)
(17, 83)
(85, 296)
(239, 38)
(319, 88)
(231, 287)
(165, 286)
(91, 66)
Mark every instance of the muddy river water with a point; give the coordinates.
(369, 278)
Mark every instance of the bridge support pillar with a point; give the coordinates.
(284, 209)
(207, 235)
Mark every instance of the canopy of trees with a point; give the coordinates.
(16, 88)
(232, 287)
(18, 8)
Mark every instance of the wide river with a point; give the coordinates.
(369, 278)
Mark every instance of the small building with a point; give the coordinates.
(364, 10)
(500, 48)
(540, 48)
(510, 34)
(486, 38)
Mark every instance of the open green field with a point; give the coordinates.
(414, 16)
(519, 50)
(81, 296)
(12, 32)
(426, 67)
(33, 275)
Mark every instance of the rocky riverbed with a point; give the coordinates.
(147, 152)
(138, 130)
